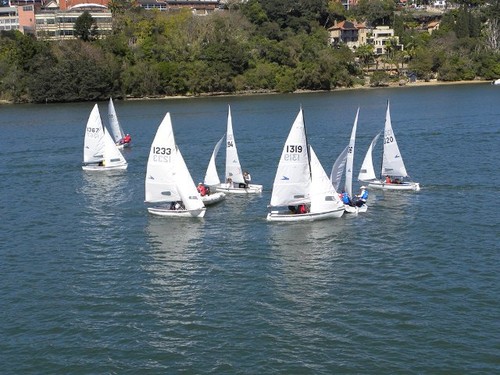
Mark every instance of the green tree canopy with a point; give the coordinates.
(85, 27)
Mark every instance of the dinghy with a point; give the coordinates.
(302, 190)
(169, 185)
(122, 140)
(393, 174)
(212, 179)
(345, 162)
(236, 181)
(99, 151)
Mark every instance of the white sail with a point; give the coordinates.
(293, 177)
(350, 157)
(114, 124)
(211, 176)
(367, 172)
(160, 172)
(323, 196)
(339, 168)
(233, 167)
(94, 145)
(99, 146)
(392, 162)
(112, 155)
(185, 185)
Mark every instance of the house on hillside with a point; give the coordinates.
(55, 20)
(380, 37)
(197, 7)
(350, 33)
(432, 26)
(354, 34)
(9, 18)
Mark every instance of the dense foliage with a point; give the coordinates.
(275, 45)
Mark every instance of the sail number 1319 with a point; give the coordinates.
(293, 152)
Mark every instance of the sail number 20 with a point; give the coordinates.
(293, 152)
(162, 154)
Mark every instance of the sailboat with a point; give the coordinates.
(393, 175)
(99, 151)
(345, 162)
(302, 183)
(169, 184)
(212, 178)
(118, 133)
(235, 180)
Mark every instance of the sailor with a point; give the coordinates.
(302, 209)
(202, 189)
(362, 197)
(126, 139)
(345, 198)
(247, 177)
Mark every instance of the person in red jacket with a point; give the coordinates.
(202, 189)
(302, 209)
(126, 139)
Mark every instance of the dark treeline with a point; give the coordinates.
(274, 45)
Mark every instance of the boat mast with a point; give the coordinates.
(307, 143)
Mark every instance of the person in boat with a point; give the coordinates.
(292, 209)
(202, 189)
(229, 182)
(362, 197)
(247, 177)
(176, 206)
(388, 179)
(102, 163)
(126, 139)
(346, 198)
(302, 209)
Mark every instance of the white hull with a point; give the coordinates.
(251, 189)
(355, 209)
(496, 82)
(166, 211)
(350, 209)
(363, 208)
(405, 186)
(213, 198)
(99, 168)
(286, 215)
(122, 146)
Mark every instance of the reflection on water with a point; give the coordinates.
(174, 267)
(103, 194)
(173, 242)
(304, 253)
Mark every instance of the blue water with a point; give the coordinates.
(92, 284)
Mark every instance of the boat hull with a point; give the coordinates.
(286, 215)
(250, 189)
(213, 198)
(405, 186)
(122, 146)
(98, 168)
(165, 211)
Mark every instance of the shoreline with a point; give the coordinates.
(359, 87)
(268, 92)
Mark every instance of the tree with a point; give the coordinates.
(85, 27)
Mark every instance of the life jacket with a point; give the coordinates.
(302, 209)
(364, 196)
(202, 190)
(345, 198)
